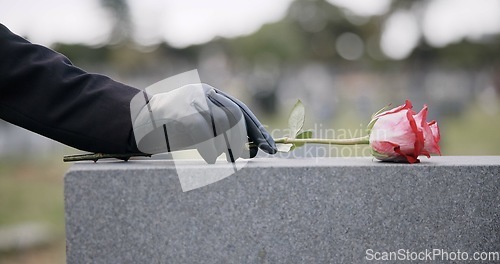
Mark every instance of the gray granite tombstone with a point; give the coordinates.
(332, 210)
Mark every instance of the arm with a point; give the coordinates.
(41, 90)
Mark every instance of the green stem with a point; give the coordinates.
(337, 141)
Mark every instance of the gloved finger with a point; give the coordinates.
(213, 127)
(202, 132)
(235, 139)
(222, 119)
(233, 113)
(208, 151)
(256, 131)
(235, 135)
(253, 151)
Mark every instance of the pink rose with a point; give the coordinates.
(400, 134)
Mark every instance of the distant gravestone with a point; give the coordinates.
(335, 210)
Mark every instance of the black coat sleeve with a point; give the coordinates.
(41, 90)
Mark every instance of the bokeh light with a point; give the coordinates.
(350, 46)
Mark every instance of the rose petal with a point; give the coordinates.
(408, 158)
(392, 152)
(394, 128)
(407, 105)
(435, 130)
(420, 119)
(384, 147)
(436, 136)
(418, 144)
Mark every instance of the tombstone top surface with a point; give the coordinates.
(312, 210)
(447, 161)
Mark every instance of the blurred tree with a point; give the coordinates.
(307, 33)
(122, 23)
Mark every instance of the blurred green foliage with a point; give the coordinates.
(32, 190)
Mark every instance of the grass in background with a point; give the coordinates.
(31, 190)
(473, 133)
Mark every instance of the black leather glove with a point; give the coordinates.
(198, 116)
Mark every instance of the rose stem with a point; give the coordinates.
(98, 156)
(336, 141)
(284, 140)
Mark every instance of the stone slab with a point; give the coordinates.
(329, 210)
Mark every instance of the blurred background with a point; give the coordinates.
(345, 59)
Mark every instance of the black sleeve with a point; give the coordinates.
(41, 90)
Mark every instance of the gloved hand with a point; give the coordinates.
(198, 116)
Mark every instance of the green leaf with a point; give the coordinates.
(304, 135)
(296, 119)
(284, 147)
